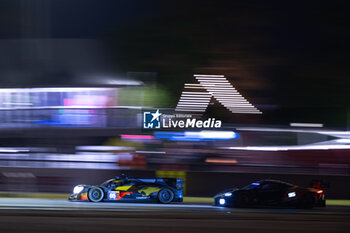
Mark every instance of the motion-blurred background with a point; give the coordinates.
(76, 76)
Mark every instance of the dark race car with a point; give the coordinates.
(267, 193)
(163, 190)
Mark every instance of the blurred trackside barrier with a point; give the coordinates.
(173, 174)
(197, 184)
(200, 200)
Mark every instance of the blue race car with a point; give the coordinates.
(127, 189)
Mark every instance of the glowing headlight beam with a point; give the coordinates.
(78, 189)
(291, 194)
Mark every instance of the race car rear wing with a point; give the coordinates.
(172, 182)
(319, 184)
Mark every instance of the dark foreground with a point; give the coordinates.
(40, 215)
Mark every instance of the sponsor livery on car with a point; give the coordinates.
(271, 193)
(163, 190)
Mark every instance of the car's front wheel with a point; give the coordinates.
(165, 196)
(241, 201)
(95, 194)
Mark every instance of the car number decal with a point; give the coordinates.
(113, 195)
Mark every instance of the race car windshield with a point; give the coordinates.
(105, 184)
(251, 186)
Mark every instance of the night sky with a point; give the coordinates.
(290, 59)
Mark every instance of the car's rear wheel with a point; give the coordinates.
(165, 196)
(306, 202)
(95, 194)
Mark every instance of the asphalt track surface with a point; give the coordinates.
(45, 215)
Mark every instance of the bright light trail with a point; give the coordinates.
(315, 125)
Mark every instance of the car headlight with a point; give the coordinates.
(291, 194)
(228, 194)
(222, 201)
(78, 189)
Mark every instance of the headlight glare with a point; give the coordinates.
(291, 194)
(222, 201)
(78, 189)
(228, 194)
